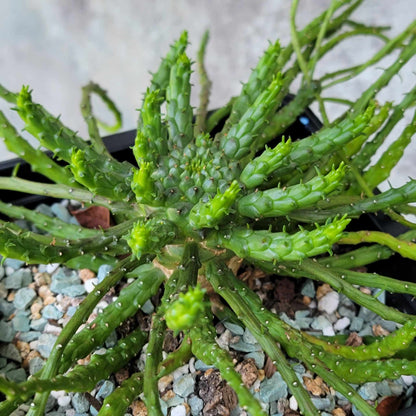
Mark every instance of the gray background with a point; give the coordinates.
(58, 46)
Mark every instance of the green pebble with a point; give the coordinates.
(24, 297)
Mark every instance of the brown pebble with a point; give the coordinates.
(248, 372)
(168, 395)
(138, 408)
(86, 274)
(49, 300)
(164, 382)
(323, 290)
(122, 375)
(44, 291)
(379, 331)
(35, 308)
(316, 386)
(306, 300)
(42, 279)
(10, 297)
(338, 412)
(32, 354)
(23, 347)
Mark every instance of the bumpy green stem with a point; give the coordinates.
(44, 222)
(92, 122)
(39, 161)
(179, 111)
(207, 350)
(404, 248)
(84, 377)
(276, 202)
(248, 309)
(61, 192)
(80, 316)
(186, 275)
(353, 207)
(205, 85)
(117, 402)
(267, 246)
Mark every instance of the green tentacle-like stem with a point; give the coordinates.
(117, 402)
(81, 315)
(404, 248)
(63, 192)
(206, 349)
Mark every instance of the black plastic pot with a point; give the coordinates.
(120, 145)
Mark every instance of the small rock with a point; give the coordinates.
(328, 331)
(17, 375)
(273, 389)
(24, 297)
(184, 369)
(45, 344)
(51, 312)
(11, 352)
(80, 403)
(86, 274)
(235, 329)
(164, 382)
(64, 278)
(320, 323)
(178, 410)
(342, 323)
(367, 315)
(324, 403)
(2, 272)
(7, 332)
(6, 308)
(103, 272)
(249, 338)
(89, 285)
(148, 307)
(74, 290)
(408, 380)
(196, 404)
(258, 357)
(201, 366)
(64, 401)
(368, 391)
(20, 322)
(293, 404)
(18, 279)
(356, 324)
(248, 372)
(29, 336)
(106, 389)
(61, 212)
(184, 385)
(111, 340)
(244, 346)
(224, 340)
(329, 302)
(13, 263)
(38, 324)
(35, 365)
(3, 291)
(308, 289)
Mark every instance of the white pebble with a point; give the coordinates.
(50, 268)
(192, 365)
(408, 380)
(90, 284)
(58, 393)
(178, 410)
(180, 371)
(329, 303)
(64, 401)
(342, 323)
(328, 331)
(293, 404)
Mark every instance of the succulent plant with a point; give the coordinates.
(208, 190)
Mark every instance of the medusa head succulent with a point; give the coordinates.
(205, 191)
